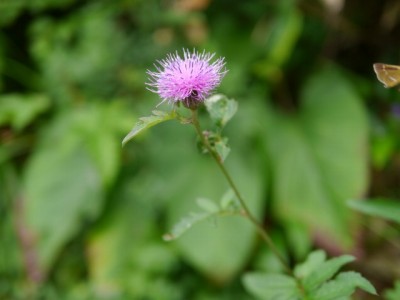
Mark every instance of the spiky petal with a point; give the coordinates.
(190, 79)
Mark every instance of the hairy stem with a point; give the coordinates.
(246, 211)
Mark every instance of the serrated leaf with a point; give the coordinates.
(185, 224)
(221, 109)
(325, 271)
(313, 261)
(207, 205)
(384, 208)
(343, 285)
(148, 122)
(267, 286)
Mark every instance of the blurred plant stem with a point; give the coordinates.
(245, 210)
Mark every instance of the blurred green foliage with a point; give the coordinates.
(83, 218)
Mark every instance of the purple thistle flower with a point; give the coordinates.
(189, 80)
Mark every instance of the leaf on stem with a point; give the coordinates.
(344, 285)
(210, 209)
(229, 200)
(271, 286)
(185, 224)
(312, 281)
(221, 109)
(219, 145)
(148, 122)
(325, 271)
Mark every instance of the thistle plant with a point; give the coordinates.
(187, 83)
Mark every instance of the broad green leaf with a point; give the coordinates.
(266, 286)
(77, 157)
(63, 189)
(384, 208)
(221, 109)
(19, 110)
(207, 247)
(124, 249)
(148, 122)
(344, 285)
(100, 128)
(313, 261)
(319, 157)
(393, 294)
(325, 271)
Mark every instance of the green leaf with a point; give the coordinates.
(221, 109)
(63, 189)
(384, 208)
(325, 271)
(207, 205)
(313, 261)
(84, 48)
(344, 285)
(267, 286)
(228, 199)
(148, 122)
(298, 239)
(282, 36)
(77, 157)
(319, 158)
(131, 230)
(185, 224)
(20, 110)
(222, 148)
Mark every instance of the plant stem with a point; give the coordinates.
(246, 211)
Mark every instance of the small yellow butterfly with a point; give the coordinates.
(389, 75)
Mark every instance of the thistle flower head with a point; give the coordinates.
(189, 80)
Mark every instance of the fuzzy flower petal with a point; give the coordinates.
(190, 79)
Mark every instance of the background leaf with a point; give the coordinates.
(318, 158)
(64, 183)
(383, 208)
(394, 293)
(18, 111)
(63, 190)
